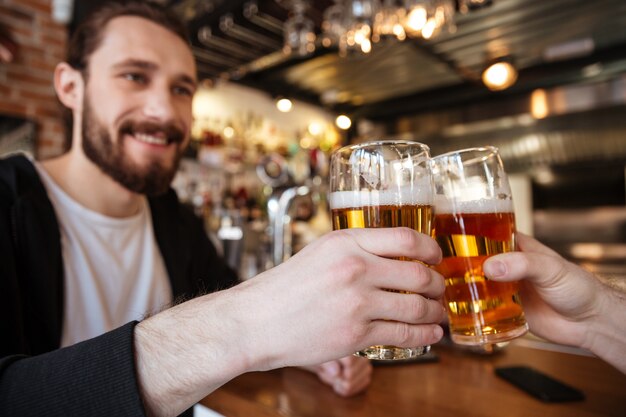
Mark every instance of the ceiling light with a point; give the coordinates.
(315, 128)
(343, 122)
(499, 76)
(284, 105)
(366, 46)
(229, 132)
(429, 28)
(539, 104)
(306, 142)
(416, 18)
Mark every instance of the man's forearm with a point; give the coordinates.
(291, 316)
(185, 353)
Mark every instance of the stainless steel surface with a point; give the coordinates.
(277, 210)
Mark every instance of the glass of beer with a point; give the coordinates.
(474, 220)
(382, 184)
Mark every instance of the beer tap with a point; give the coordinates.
(278, 207)
(273, 171)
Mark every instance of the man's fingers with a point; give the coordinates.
(384, 332)
(409, 308)
(407, 276)
(397, 242)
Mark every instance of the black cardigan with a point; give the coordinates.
(95, 377)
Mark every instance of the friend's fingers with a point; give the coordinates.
(536, 262)
(528, 244)
(542, 270)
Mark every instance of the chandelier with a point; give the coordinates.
(355, 25)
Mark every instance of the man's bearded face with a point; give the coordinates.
(113, 159)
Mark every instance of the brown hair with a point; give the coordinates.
(88, 35)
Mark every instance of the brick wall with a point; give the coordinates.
(26, 84)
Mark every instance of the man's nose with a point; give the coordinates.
(159, 104)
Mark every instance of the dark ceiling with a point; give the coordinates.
(235, 41)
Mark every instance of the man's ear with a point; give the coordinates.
(69, 84)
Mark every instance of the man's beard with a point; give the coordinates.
(112, 159)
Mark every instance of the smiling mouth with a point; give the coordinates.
(155, 134)
(152, 139)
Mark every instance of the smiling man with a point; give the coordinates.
(95, 240)
(131, 103)
(130, 100)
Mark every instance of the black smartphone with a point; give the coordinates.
(539, 385)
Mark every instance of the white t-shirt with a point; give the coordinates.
(114, 271)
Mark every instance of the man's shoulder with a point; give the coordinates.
(17, 174)
(16, 162)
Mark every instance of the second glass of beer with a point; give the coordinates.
(474, 220)
(382, 184)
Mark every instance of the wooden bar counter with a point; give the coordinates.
(459, 384)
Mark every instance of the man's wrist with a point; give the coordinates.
(184, 353)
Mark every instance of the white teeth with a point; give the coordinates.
(155, 140)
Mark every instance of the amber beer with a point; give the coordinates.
(479, 310)
(347, 216)
(354, 210)
(474, 220)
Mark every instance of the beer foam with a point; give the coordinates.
(483, 205)
(366, 198)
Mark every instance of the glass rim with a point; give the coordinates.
(489, 149)
(383, 142)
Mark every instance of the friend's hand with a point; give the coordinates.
(563, 302)
(347, 376)
(558, 296)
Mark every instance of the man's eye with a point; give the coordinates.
(135, 77)
(183, 91)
